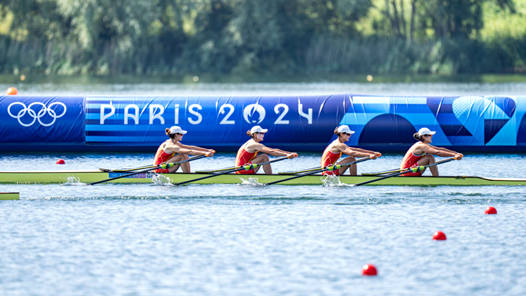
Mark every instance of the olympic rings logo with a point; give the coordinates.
(37, 111)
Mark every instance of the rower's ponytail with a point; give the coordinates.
(167, 132)
(336, 131)
(249, 134)
(417, 137)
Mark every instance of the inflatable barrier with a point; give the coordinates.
(303, 123)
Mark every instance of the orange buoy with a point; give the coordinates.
(439, 235)
(12, 91)
(490, 211)
(369, 270)
(60, 161)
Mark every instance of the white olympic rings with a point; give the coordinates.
(36, 114)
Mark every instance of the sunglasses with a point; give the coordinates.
(346, 134)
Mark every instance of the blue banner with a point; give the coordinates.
(41, 120)
(386, 123)
(482, 122)
(212, 121)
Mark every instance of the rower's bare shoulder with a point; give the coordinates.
(254, 146)
(423, 147)
(341, 146)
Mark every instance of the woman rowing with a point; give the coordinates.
(172, 150)
(336, 148)
(248, 152)
(421, 153)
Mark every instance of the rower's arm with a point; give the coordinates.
(192, 151)
(194, 147)
(276, 152)
(355, 152)
(444, 149)
(367, 151)
(440, 152)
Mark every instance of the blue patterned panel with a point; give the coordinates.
(442, 108)
(390, 120)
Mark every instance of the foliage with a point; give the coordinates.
(109, 37)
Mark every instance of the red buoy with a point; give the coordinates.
(369, 270)
(439, 235)
(12, 91)
(60, 161)
(490, 211)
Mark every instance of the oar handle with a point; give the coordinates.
(405, 171)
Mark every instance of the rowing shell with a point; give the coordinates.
(61, 177)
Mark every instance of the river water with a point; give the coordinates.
(247, 240)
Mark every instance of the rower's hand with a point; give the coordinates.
(210, 153)
(458, 156)
(373, 156)
(378, 154)
(292, 155)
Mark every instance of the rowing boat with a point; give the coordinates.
(9, 196)
(61, 177)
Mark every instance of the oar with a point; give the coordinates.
(383, 172)
(415, 169)
(215, 171)
(127, 170)
(161, 166)
(319, 170)
(299, 172)
(241, 168)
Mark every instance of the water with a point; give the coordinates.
(231, 89)
(246, 240)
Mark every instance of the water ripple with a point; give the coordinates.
(251, 240)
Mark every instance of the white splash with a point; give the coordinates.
(334, 181)
(73, 181)
(250, 181)
(161, 180)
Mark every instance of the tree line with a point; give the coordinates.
(286, 37)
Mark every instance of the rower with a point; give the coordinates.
(172, 150)
(338, 147)
(248, 152)
(421, 153)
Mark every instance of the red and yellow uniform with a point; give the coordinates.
(328, 158)
(244, 157)
(160, 157)
(411, 162)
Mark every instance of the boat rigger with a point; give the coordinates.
(64, 177)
